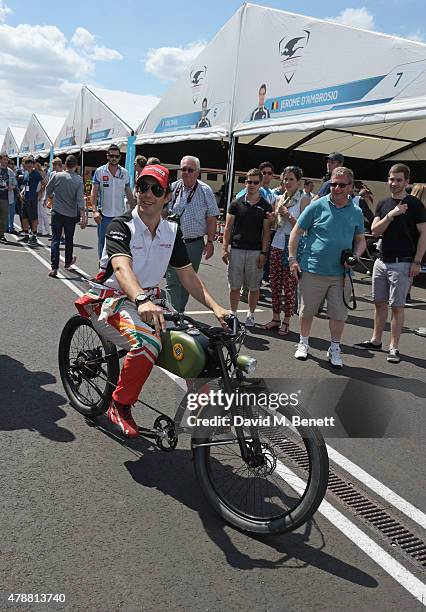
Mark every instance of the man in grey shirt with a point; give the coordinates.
(68, 208)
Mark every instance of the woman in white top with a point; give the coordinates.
(284, 286)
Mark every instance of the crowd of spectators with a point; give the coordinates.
(288, 238)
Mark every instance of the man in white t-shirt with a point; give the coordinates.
(111, 183)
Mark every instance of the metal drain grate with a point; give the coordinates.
(359, 504)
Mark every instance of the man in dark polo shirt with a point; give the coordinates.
(247, 232)
(401, 221)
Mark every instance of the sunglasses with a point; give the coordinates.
(249, 182)
(186, 169)
(340, 185)
(156, 189)
(267, 172)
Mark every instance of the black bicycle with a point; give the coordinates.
(259, 476)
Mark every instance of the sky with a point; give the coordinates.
(47, 51)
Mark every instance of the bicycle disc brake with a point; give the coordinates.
(166, 438)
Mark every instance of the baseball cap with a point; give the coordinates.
(336, 157)
(160, 173)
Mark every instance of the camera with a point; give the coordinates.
(347, 257)
(175, 218)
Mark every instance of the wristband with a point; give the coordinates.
(264, 253)
(292, 259)
(209, 241)
(417, 263)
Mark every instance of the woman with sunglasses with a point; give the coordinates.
(124, 304)
(283, 284)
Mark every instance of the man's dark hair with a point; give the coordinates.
(140, 160)
(308, 182)
(71, 161)
(113, 147)
(266, 164)
(401, 168)
(255, 172)
(263, 86)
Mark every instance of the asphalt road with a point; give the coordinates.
(117, 525)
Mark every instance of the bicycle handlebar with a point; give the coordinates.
(181, 319)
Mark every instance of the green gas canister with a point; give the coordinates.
(181, 354)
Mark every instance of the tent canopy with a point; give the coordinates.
(40, 134)
(368, 101)
(12, 140)
(199, 105)
(100, 117)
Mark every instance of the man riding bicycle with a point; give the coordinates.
(124, 303)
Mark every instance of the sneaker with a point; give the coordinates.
(24, 239)
(408, 300)
(334, 355)
(3, 238)
(32, 241)
(67, 266)
(368, 344)
(302, 351)
(120, 415)
(53, 273)
(393, 356)
(250, 321)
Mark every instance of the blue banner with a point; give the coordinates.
(179, 122)
(333, 96)
(39, 147)
(101, 135)
(130, 159)
(67, 142)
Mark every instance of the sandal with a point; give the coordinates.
(284, 329)
(275, 323)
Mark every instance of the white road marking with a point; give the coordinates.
(379, 488)
(60, 277)
(382, 558)
(12, 249)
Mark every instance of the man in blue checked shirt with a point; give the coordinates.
(194, 203)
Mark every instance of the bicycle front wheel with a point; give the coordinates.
(89, 367)
(279, 489)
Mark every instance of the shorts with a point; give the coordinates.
(30, 210)
(391, 282)
(314, 288)
(243, 270)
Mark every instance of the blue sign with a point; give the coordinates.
(67, 142)
(101, 135)
(179, 122)
(39, 147)
(335, 96)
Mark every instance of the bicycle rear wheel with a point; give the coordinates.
(89, 367)
(278, 495)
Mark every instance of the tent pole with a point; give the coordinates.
(229, 178)
(130, 157)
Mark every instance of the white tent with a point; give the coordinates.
(12, 140)
(40, 134)
(100, 117)
(199, 105)
(281, 86)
